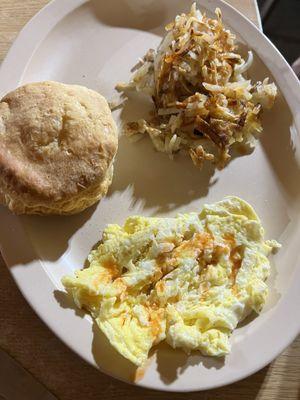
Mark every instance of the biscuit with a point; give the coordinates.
(57, 146)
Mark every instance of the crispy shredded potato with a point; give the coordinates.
(203, 103)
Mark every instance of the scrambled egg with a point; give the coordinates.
(188, 280)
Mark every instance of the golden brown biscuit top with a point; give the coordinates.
(55, 139)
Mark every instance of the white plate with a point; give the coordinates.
(95, 44)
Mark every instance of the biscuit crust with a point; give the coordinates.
(57, 145)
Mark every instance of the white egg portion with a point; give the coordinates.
(188, 279)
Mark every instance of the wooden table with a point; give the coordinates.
(25, 337)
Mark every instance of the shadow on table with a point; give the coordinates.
(248, 388)
(288, 373)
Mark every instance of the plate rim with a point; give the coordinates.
(11, 74)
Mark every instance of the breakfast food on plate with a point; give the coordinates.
(203, 103)
(188, 280)
(57, 146)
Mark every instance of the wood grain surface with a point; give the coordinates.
(28, 340)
